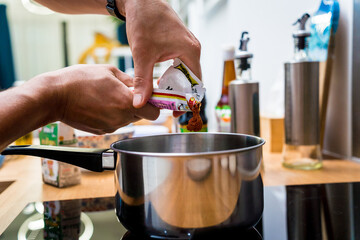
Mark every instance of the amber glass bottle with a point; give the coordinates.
(184, 119)
(222, 109)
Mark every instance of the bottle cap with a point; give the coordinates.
(302, 32)
(228, 52)
(243, 52)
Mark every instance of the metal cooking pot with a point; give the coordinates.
(175, 184)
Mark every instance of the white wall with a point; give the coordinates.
(37, 39)
(270, 27)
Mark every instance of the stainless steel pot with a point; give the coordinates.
(173, 185)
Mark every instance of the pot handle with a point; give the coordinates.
(93, 159)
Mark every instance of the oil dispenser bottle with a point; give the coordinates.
(222, 109)
(244, 93)
(302, 141)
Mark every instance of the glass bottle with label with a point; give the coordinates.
(302, 138)
(222, 109)
(184, 119)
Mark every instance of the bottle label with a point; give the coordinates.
(223, 117)
(183, 128)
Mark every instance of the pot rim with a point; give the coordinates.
(192, 154)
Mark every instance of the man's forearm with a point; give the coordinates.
(81, 6)
(24, 109)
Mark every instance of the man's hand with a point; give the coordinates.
(97, 98)
(93, 98)
(156, 34)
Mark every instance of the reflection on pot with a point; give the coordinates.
(207, 201)
(198, 169)
(173, 196)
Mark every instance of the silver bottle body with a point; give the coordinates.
(302, 136)
(302, 103)
(244, 104)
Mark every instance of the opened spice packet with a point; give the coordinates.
(179, 89)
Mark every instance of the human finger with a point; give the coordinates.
(191, 57)
(143, 82)
(148, 111)
(178, 113)
(123, 77)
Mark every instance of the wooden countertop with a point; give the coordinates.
(28, 186)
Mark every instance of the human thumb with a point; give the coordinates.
(143, 83)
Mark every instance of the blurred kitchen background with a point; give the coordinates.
(37, 39)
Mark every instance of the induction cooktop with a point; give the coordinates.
(311, 212)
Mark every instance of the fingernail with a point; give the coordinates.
(137, 99)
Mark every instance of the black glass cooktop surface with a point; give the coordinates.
(311, 212)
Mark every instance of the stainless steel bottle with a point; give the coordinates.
(244, 94)
(302, 141)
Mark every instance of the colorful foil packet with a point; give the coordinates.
(178, 87)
